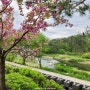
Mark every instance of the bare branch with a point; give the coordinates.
(77, 4)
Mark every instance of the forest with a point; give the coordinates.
(78, 44)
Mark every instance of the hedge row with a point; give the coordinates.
(34, 80)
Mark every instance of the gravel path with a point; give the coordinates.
(53, 74)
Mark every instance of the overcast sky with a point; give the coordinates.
(80, 23)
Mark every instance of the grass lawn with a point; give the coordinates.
(77, 58)
(73, 66)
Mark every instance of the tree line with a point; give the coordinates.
(79, 43)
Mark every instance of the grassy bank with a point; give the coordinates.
(69, 65)
(27, 79)
(69, 71)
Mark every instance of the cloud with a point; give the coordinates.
(60, 31)
(18, 18)
(80, 23)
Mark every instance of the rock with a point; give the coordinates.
(77, 86)
(60, 81)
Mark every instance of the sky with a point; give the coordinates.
(79, 25)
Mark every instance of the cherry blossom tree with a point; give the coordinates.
(24, 53)
(35, 20)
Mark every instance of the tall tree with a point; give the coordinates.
(40, 44)
(35, 20)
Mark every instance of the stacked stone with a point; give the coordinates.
(67, 84)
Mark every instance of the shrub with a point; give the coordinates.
(18, 59)
(52, 85)
(80, 66)
(10, 57)
(62, 51)
(15, 81)
(37, 77)
(71, 53)
(72, 72)
(63, 68)
(40, 79)
(11, 69)
(86, 55)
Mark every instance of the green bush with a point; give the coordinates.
(18, 59)
(37, 77)
(62, 51)
(64, 69)
(10, 69)
(52, 85)
(71, 53)
(40, 79)
(15, 81)
(86, 55)
(10, 57)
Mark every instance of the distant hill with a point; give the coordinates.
(77, 44)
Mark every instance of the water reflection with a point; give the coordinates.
(50, 63)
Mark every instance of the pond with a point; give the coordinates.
(50, 63)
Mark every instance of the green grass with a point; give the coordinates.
(16, 81)
(70, 60)
(80, 66)
(76, 58)
(69, 71)
(32, 63)
(18, 59)
(73, 61)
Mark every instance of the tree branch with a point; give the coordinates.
(77, 4)
(9, 49)
(1, 36)
(5, 7)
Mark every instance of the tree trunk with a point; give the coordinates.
(2, 73)
(40, 65)
(24, 61)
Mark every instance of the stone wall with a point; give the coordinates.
(67, 84)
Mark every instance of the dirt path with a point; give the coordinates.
(85, 62)
(53, 74)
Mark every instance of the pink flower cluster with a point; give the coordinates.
(34, 22)
(63, 20)
(6, 2)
